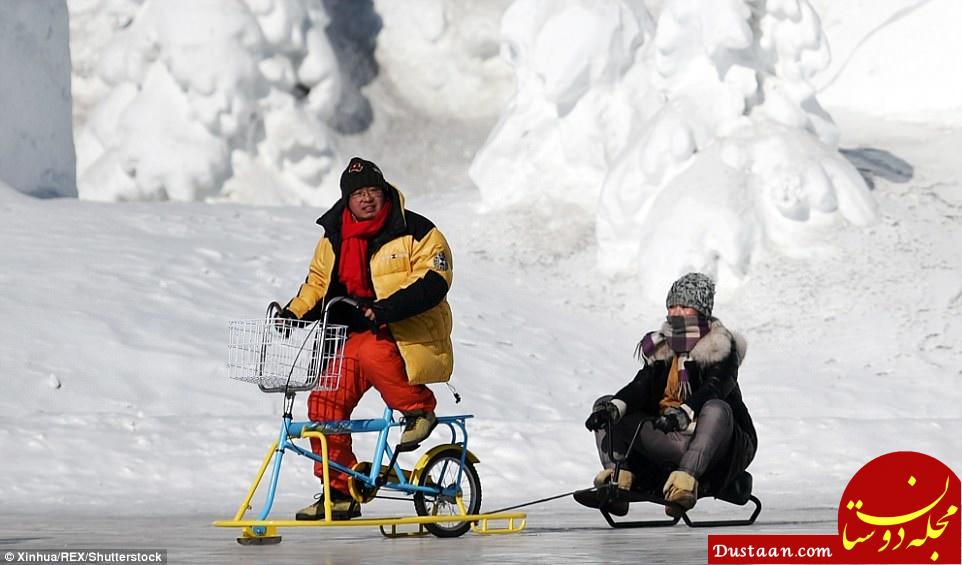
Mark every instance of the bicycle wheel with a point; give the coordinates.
(442, 471)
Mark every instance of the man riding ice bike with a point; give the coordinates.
(397, 265)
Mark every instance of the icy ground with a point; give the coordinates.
(558, 533)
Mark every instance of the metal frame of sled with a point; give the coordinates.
(635, 496)
(738, 493)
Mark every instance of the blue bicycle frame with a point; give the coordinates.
(291, 430)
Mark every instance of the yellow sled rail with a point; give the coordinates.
(510, 522)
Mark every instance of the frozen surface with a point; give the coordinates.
(560, 532)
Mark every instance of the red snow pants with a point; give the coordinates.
(370, 359)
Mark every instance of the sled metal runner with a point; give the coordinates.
(635, 496)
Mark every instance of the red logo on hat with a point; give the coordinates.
(356, 167)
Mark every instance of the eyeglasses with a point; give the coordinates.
(367, 192)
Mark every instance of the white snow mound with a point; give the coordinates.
(229, 103)
(694, 140)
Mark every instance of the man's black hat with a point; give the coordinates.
(359, 174)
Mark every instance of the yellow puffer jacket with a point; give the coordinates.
(411, 271)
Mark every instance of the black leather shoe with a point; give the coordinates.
(616, 503)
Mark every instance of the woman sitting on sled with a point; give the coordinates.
(686, 399)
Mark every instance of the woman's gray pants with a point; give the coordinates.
(692, 453)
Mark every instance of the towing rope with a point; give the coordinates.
(611, 455)
(540, 500)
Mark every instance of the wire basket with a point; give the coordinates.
(282, 355)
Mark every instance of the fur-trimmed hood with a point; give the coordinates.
(715, 347)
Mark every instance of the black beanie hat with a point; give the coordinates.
(359, 174)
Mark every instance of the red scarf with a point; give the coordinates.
(355, 267)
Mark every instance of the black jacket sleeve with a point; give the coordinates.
(426, 293)
(635, 394)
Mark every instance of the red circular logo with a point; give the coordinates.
(902, 507)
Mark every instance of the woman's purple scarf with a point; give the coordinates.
(681, 333)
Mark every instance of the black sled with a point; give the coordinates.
(612, 501)
(647, 487)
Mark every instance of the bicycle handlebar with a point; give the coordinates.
(345, 299)
(274, 308)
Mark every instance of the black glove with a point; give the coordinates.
(672, 420)
(608, 413)
(362, 306)
(281, 323)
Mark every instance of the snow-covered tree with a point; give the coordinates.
(231, 101)
(695, 140)
(441, 57)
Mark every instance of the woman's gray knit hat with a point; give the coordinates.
(693, 290)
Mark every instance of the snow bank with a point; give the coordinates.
(894, 59)
(694, 142)
(36, 138)
(229, 103)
